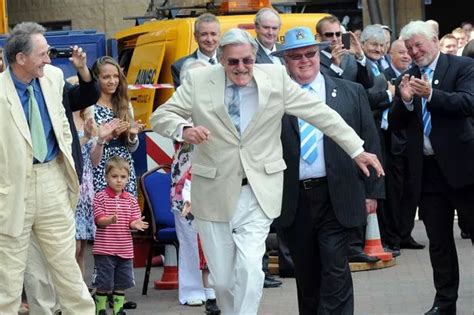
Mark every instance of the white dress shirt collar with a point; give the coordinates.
(203, 57)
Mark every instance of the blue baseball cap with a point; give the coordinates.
(299, 37)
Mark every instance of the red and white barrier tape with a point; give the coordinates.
(150, 86)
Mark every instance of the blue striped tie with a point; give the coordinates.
(308, 138)
(234, 107)
(425, 114)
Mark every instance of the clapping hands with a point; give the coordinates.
(136, 127)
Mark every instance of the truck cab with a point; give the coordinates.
(147, 51)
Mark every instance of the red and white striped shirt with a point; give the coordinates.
(115, 239)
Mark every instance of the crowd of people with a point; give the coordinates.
(304, 138)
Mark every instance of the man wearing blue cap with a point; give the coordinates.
(237, 163)
(324, 196)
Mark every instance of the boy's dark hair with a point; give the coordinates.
(116, 162)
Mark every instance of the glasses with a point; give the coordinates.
(236, 62)
(331, 34)
(308, 55)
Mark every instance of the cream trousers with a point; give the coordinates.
(50, 218)
(234, 252)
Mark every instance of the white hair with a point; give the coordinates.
(418, 28)
(373, 32)
(236, 36)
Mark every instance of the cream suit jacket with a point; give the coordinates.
(220, 163)
(16, 155)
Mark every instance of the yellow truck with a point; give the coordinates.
(3, 17)
(147, 51)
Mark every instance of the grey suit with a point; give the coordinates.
(262, 56)
(353, 71)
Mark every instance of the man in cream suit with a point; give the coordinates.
(238, 165)
(38, 185)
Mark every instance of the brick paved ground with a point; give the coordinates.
(404, 289)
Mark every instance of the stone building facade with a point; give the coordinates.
(103, 15)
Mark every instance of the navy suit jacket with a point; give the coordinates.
(176, 68)
(348, 187)
(452, 110)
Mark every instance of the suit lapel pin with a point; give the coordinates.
(436, 82)
(333, 94)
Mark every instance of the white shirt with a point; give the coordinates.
(248, 101)
(318, 167)
(427, 147)
(205, 58)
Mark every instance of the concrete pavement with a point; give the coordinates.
(405, 289)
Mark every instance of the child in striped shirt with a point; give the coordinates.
(116, 212)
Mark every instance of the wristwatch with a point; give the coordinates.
(360, 58)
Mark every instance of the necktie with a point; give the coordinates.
(425, 114)
(212, 61)
(308, 138)
(38, 138)
(374, 68)
(234, 107)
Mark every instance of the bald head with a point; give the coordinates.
(401, 60)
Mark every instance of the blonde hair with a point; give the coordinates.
(116, 162)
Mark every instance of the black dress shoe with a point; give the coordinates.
(411, 244)
(436, 310)
(212, 308)
(394, 249)
(271, 282)
(465, 235)
(363, 258)
(130, 305)
(286, 273)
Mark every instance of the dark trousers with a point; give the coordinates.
(318, 245)
(438, 201)
(357, 240)
(397, 216)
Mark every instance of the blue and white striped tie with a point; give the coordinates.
(425, 114)
(308, 138)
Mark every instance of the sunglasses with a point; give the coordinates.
(308, 55)
(236, 62)
(331, 34)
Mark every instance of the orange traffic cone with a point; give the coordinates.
(373, 244)
(169, 279)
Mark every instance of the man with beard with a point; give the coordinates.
(436, 105)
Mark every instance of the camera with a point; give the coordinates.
(54, 52)
(393, 81)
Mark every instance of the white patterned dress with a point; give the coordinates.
(102, 115)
